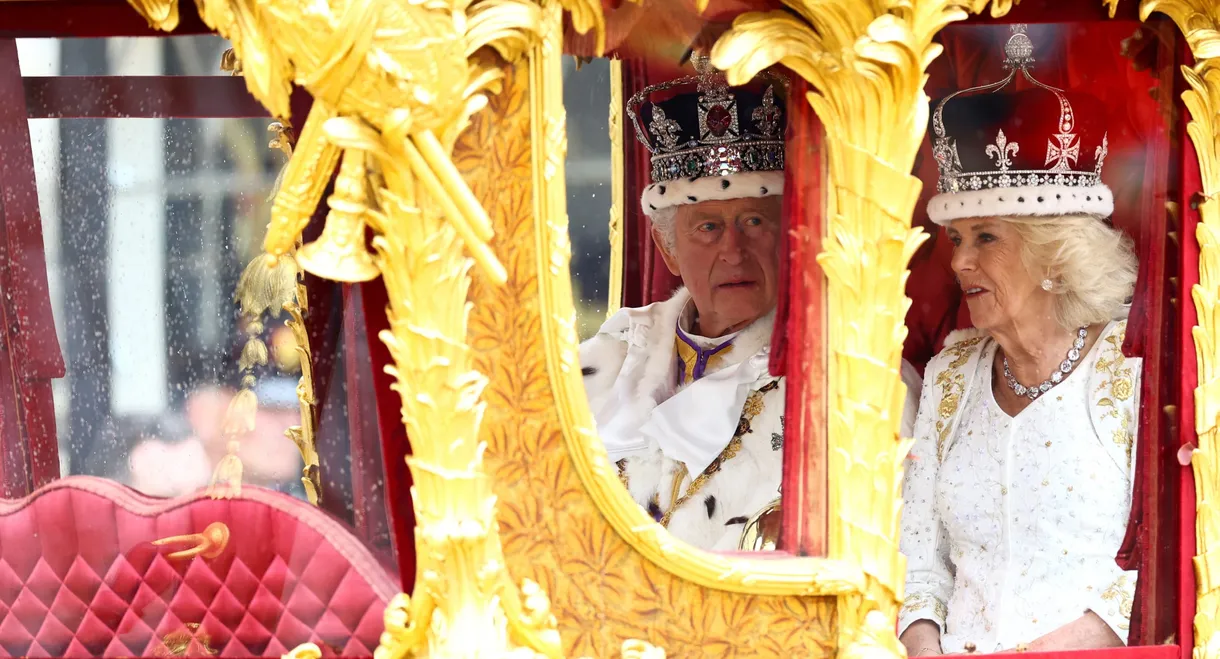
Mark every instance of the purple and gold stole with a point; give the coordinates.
(693, 361)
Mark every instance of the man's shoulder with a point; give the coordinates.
(627, 318)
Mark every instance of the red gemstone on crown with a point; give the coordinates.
(719, 121)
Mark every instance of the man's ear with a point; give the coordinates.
(671, 261)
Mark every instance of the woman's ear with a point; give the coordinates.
(671, 261)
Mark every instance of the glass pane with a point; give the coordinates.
(1018, 494)
(151, 225)
(196, 55)
(147, 227)
(679, 384)
(586, 92)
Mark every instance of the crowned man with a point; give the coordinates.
(680, 389)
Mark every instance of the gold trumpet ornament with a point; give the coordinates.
(339, 254)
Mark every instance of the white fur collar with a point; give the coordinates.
(631, 374)
(652, 328)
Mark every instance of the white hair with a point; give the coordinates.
(663, 221)
(1091, 265)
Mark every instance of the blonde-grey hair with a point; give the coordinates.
(1092, 266)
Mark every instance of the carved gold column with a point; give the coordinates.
(1199, 20)
(866, 63)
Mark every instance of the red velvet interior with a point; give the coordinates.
(79, 576)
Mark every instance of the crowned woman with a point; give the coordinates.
(1018, 488)
(680, 389)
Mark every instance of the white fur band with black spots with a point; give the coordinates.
(1025, 201)
(711, 188)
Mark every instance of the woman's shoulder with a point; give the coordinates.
(960, 346)
(1109, 355)
(1113, 394)
(1115, 332)
(1114, 374)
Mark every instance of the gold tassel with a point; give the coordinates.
(266, 287)
(253, 354)
(239, 419)
(226, 479)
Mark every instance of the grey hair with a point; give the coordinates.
(1091, 264)
(663, 221)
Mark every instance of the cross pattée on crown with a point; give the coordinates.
(1065, 154)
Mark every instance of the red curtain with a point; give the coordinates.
(394, 443)
(645, 277)
(30, 355)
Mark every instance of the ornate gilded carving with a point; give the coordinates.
(636, 649)
(301, 435)
(866, 63)
(264, 288)
(186, 642)
(160, 14)
(304, 651)
(1199, 21)
(339, 253)
(618, 186)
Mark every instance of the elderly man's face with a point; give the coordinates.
(727, 254)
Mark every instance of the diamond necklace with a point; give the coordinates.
(1065, 367)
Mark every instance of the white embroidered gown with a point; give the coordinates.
(1013, 534)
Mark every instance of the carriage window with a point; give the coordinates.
(177, 380)
(148, 224)
(167, 435)
(190, 55)
(687, 408)
(1042, 317)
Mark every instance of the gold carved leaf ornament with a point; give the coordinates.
(160, 14)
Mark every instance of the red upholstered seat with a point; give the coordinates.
(80, 577)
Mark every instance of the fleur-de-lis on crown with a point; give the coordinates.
(1002, 151)
(767, 115)
(665, 129)
(1064, 154)
(1100, 153)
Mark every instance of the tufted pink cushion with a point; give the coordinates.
(79, 576)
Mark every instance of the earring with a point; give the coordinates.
(1047, 285)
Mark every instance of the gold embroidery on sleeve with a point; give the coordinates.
(922, 601)
(952, 383)
(1122, 594)
(1119, 387)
